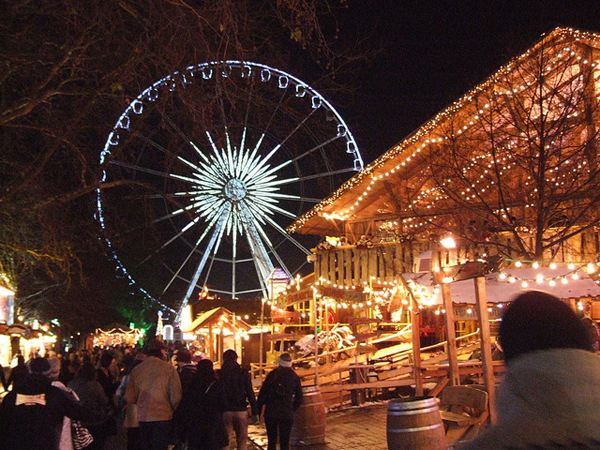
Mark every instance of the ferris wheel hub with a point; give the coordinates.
(235, 190)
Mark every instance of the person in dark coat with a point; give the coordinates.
(281, 395)
(31, 416)
(91, 394)
(106, 378)
(17, 373)
(185, 367)
(199, 417)
(238, 390)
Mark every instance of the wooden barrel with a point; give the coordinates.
(415, 424)
(309, 419)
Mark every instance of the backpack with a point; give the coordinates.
(234, 382)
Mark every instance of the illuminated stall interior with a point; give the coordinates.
(123, 336)
(215, 331)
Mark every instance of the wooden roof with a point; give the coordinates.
(378, 191)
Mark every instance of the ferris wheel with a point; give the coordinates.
(205, 169)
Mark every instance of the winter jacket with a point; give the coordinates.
(549, 399)
(281, 394)
(92, 395)
(238, 387)
(31, 416)
(199, 417)
(155, 388)
(186, 374)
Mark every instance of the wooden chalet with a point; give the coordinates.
(510, 172)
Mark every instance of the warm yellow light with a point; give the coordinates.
(539, 278)
(448, 242)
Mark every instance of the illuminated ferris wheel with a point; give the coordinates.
(205, 169)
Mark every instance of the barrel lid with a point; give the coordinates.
(411, 403)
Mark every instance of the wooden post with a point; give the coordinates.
(211, 348)
(450, 336)
(486, 345)
(416, 347)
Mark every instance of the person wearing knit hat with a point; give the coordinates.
(32, 413)
(550, 394)
(284, 360)
(239, 392)
(280, 395)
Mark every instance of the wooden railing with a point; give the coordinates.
(374, 375)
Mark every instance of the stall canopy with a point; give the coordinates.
(502, 287)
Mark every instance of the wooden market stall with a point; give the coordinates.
(218, 330)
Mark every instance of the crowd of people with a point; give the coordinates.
(163, 398)
(549, 397)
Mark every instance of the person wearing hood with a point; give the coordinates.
(31, 417)
(239, 392)
(281, 395)
(550, 395)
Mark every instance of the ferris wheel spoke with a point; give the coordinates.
(137, 168)
(325, 174)
(144, 225)
(171, 240)
(315, 148)
(166, 151)
(273, 194)
(266, 207)
(181, 266)
(287, 236)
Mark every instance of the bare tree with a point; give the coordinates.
(514, 164)
(69, 68)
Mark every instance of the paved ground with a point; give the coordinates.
(351, 428)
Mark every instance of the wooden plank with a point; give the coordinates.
(375, 385)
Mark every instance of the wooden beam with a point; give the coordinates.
(450, 335)
(486, 345)
(416, 346)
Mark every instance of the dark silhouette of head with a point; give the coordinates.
(540, 321)
(230, 355)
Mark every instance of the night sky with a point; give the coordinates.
(435, 51)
